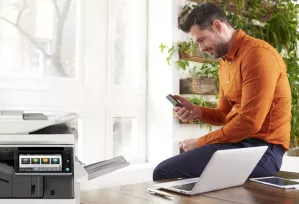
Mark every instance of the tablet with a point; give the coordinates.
(277, 182)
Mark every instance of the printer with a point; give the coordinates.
(38, 162)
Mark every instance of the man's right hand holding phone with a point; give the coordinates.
(187, 112)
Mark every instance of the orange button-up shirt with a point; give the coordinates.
(254, 98)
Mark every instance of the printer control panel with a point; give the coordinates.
(40, 162)
(44, 161)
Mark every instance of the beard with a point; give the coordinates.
(221, 50)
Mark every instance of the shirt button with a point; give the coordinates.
(229, 62)
(227, 82)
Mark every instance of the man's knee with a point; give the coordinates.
(160, 172)
(186, 165)
(263, 171)
(157, 174)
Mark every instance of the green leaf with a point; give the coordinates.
(168, 60)
(171, 51)
(162, 47)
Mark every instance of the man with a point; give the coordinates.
(254, 107)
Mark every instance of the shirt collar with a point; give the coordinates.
(236, 43)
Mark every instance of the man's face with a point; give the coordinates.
(210, 40)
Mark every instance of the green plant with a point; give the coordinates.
(237, 5)
(282, 33)
(210, 69)
(174, 49)
(292, 66)
(170, 50)
(202, 102)
(185, 47)
(197, 101)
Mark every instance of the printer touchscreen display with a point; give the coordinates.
(40, 162)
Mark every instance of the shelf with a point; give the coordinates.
(210, 98)
(198, 86)
(194, 122)
(199, 59)
(194, 56)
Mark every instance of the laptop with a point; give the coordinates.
(226, 168)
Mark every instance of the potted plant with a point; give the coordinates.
(203, 78)
(206, 79)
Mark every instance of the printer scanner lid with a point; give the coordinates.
(18, 122)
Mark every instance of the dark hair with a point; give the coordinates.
(202, 15)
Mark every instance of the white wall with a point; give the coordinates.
(94, 63)
(290, 164)
(163, 132)
(159, 113)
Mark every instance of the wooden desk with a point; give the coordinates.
(250, 192)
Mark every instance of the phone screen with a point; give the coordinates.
(173, 100)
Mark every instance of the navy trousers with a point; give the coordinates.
(192, 163)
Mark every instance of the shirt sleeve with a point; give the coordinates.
(260, 72)
(216, 116)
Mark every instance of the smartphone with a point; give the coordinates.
(174, 101)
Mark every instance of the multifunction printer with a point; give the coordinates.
(38, 162)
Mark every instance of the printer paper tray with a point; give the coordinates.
(100, 168)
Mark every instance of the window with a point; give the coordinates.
(38, 38)
(126, 133)
(123, 136)
(127, 30)
(126, 80)
(42, 63)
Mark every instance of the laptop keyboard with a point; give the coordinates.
(186, 187)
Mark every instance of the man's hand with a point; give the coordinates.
(185, 113)
(188, 144)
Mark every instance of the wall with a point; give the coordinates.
(181, 131)
(159, 110)
(163, 132)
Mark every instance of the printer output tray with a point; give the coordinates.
(103, 167)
